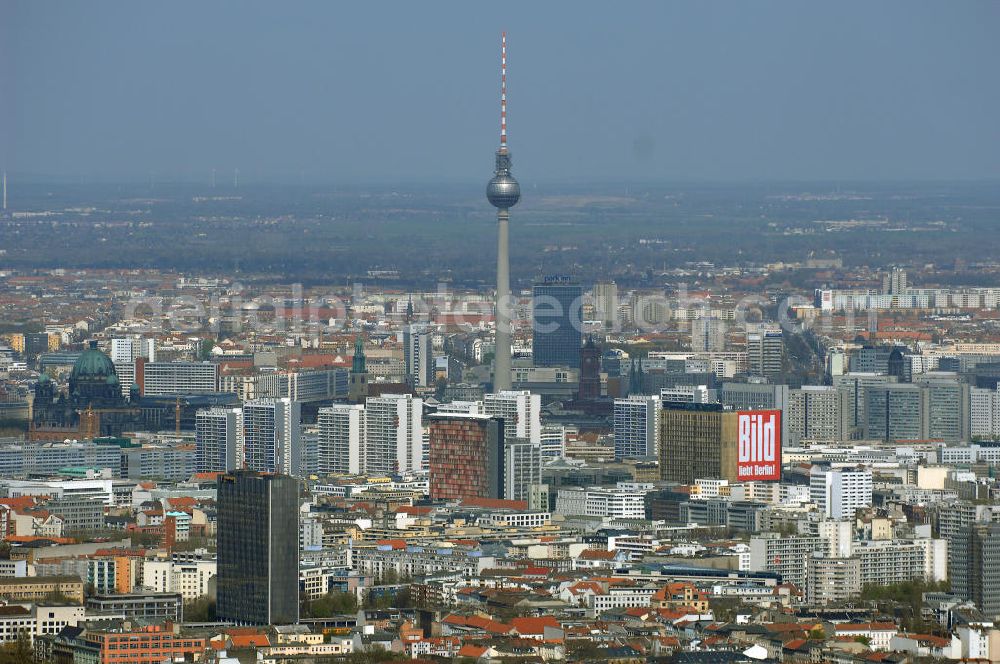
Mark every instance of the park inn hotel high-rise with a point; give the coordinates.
(258, 549)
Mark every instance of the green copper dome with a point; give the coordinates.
(93, 364)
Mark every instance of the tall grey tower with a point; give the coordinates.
(503, 192)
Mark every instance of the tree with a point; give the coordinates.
(201, 609)
(19, 651)
(331, 604)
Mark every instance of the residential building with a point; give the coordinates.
(341, 445)
(521, 412)
(218, 439)
(636, 426)
(394, 439)
(272, 436)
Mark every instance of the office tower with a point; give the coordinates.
(590, 371)
(170, 378)
(697, 441)
(217, 439)
(357, 390)
(946, 407)
(974, 570)
(894, 282)
(258, 549)
(894, 412)
(503, 193)
(765, 353)
(394, 440)
(521, 412)
(272, 436)
(522, 468)
(557, 326)
(466, 456)
(341, 439)
(984, 407)
(876, 359)
(751, 396)
(817, 412)
(708, 335)
(35, 343)
(606, 303)
(636, 426)
(857, 385)
(840, 492)
(418, 360)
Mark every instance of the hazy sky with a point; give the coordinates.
(379, 91)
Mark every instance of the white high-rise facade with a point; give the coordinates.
(840, 492)
(170, 378)
(521, 412)
(272, 436)
(218, 439)
(522, 468)
(418, 357)
(341, 439)
(636, 425)
(124, 350)
(985, 413)
(394, 439)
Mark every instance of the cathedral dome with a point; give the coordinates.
(92, 365)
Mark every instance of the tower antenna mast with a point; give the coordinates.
(503, 193)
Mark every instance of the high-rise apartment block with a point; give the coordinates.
(218, 439)
(394, 440)
(521, 412)
(636, 426)
(766, 353)
(840, 492)
(522, 469)
(341, 439)
(418, 358)
(272, 436)
(817, 412)
(974, 566)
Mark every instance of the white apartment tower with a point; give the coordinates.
(341, 439)
(840, 492)
(218, 439)
(394, 439)
(636, 425)
(272, 436)
(521, 412)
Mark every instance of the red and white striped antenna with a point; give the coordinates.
(503, 89)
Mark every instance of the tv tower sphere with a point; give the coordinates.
(503, 191)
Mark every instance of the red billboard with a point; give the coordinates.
(758, 445)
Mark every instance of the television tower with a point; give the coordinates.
(503, 193)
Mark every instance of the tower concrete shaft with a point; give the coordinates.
(501, 368)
